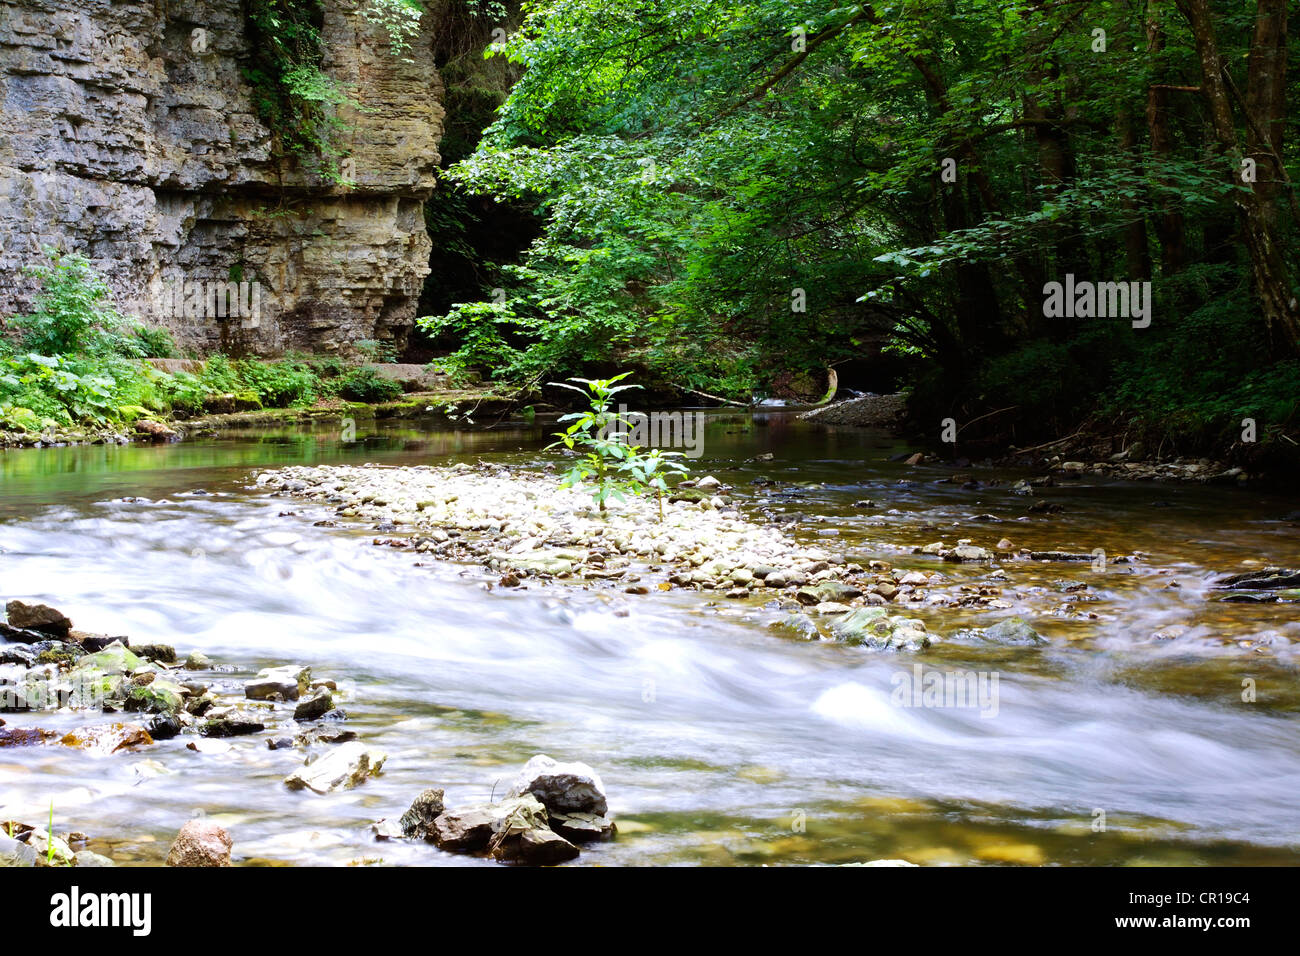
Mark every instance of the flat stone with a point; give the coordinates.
(470, 829)
(343, 768)
(288, 682)
(582, 827)
(87, 858)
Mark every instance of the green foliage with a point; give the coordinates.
(279, 384)
(292, 94)
(400, 19)
(367, 385)
(90, 372)
(74, 314)
(611, 465)
(736, 195)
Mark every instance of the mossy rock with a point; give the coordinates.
(157, 697)
(114, 659)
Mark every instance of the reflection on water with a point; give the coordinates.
(719, 740)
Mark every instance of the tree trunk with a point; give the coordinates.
(1255, 210)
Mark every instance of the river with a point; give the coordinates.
(720, 739)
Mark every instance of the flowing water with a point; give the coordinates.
(721, 739)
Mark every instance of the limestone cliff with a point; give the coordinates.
(129, 137)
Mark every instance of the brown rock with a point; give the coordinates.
(38, 617)
(107, 738)
(535, 848)
(200, 843)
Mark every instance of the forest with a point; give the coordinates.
(738, 196)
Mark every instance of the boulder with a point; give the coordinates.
(288, 682)
(164, 727)
(471, 829)
(561, 787)
(159, 696)
(200, 843)
(156, 431)
(114, 659)
(15, 852)
(1013, 632)
(341, 769)
(38, 617)
(162, 653)
(417, 822)
(315, 706)
(231, 727)
(874, 627)
(534, 848)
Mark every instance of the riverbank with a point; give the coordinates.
(469, 406)
(1086, 453)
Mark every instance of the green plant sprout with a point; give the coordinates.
(611, 467)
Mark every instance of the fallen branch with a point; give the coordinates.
(716, 398)
(989, 415)
(1049, 444)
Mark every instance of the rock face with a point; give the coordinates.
(200, 843)
(127, 134)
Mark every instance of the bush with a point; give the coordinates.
(366, 385)
(73, 313)
(279, 384)
(154, 342)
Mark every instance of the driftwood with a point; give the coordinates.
(716, 398)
